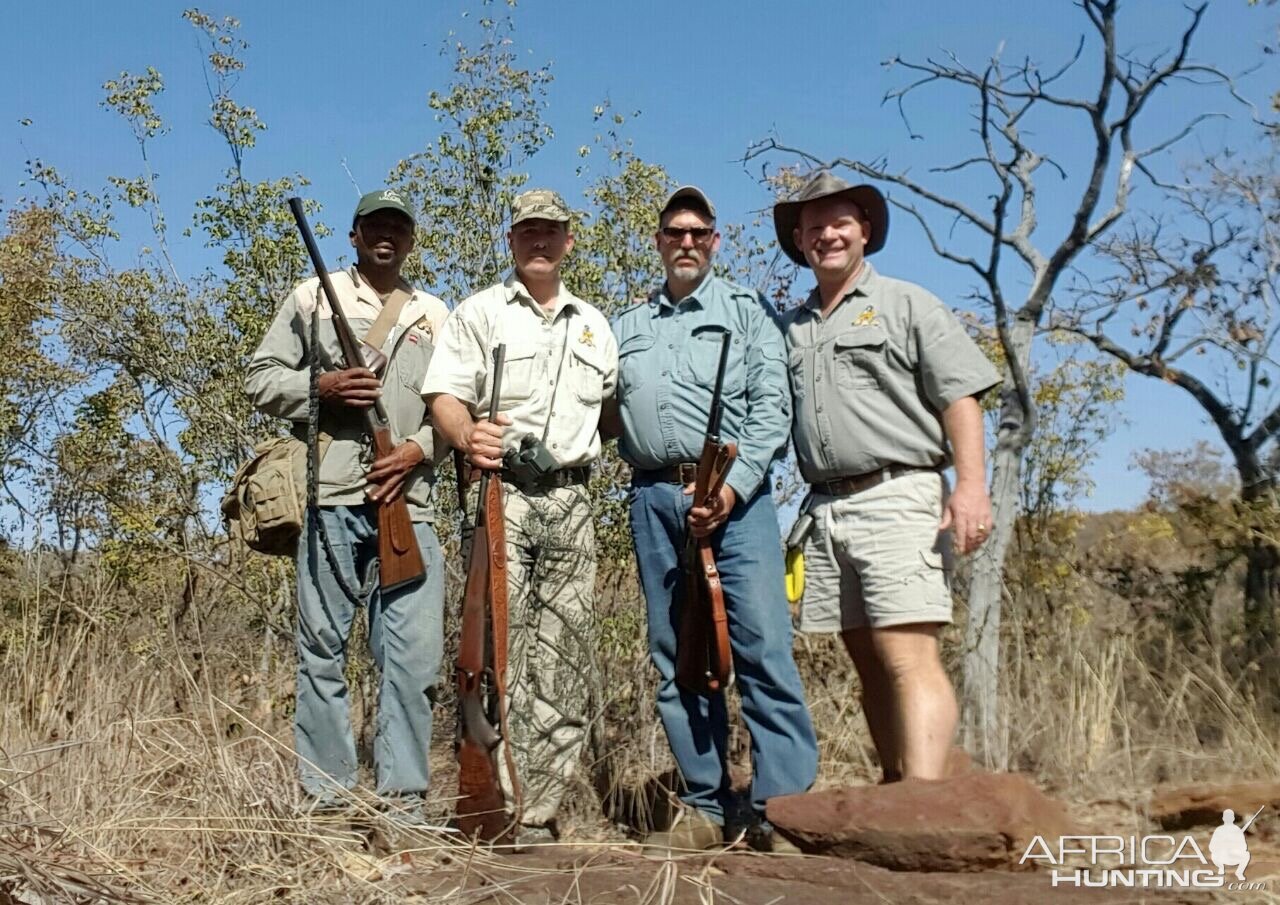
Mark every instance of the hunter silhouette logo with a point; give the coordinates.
(1228, 847)
(587, 338)
(1158, 861)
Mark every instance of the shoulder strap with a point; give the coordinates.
(387, 317)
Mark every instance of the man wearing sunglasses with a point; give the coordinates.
(669, 349)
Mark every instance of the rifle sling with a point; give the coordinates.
(387, 317)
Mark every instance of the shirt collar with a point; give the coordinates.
(864, 285)
(516, 291)
(364, 287)
(698, 295)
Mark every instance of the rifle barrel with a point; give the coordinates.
(375, 415)
(499, 360)
(717, 406)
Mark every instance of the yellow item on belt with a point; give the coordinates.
(795, 574)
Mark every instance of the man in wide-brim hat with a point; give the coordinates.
(885, 384)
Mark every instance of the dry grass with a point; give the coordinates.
(142, 763)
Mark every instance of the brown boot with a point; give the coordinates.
(693, 831)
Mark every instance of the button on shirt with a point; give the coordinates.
(560, 366)
(668, 352)
(870, 381)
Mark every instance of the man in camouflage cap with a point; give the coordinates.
(885, 383)
(405, 625)
(561, 363)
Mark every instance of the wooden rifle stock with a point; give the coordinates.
(399, 559)
(703, 655)
(482, 659)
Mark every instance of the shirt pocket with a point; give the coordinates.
(701, 357)
(586, 372)
(859, 356)
(522, 370)
(796, 372)
(633, 364)
(412, 355)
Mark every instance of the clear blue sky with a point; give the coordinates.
(339, 82)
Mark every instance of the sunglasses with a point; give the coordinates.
(677, 233)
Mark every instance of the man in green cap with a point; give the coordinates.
(406, 625)
(561, 363)
(885, 384)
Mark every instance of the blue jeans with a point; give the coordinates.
(405, 639)
(748, 552)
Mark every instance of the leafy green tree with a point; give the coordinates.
(462, 183)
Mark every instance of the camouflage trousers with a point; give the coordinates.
(551, 576)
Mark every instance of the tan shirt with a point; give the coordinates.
(278, 379)
(870, 381)
(560, 366)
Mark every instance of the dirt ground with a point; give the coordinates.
(623, 877)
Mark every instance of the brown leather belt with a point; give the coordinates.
(562, 477)
(857, 483)
(680, 473)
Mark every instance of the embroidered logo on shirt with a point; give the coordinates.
(866, 318)
(424, 325)
(587, 338)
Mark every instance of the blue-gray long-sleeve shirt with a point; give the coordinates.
(667, 357)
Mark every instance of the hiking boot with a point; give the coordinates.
(762, 837)
(324, 805)
(693, 831)
(528, 837)
(405, 812)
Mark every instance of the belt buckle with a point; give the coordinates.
(687, 472)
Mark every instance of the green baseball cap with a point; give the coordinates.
(539, 204)
(383, 199)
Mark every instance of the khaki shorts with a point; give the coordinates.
(876, 558)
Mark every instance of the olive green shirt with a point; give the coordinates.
(278, 381)
(870, 381)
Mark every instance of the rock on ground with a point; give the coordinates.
(973, 822)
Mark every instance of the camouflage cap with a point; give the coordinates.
(383, 199)
(689, 196)
(539, 204)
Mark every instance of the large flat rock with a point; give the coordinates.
(974, 822)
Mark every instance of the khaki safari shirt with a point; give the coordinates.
(870, 381)
(560, 366)
(278, 380)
